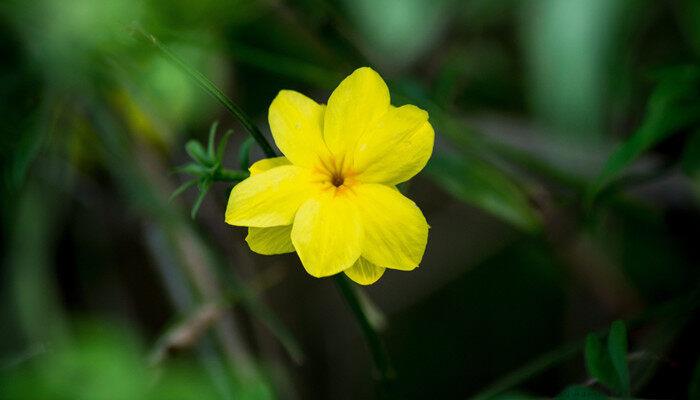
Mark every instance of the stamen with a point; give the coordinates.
(337, 179)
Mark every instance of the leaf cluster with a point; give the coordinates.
(206, 166)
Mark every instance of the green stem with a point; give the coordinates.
(211, 88)
(380, 356)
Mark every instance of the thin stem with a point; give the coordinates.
(211, 88)
(380, 356)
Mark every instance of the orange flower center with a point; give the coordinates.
(334, 174)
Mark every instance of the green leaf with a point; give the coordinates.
(599, 364)
(182, 188)
(210, 142)
(203, 189)
(580, 393)
(230, 175)
(222, 144)
(482, 185)
(193, 169)
(672, 107)
(244, 153)
(196, 151)
(617, 348)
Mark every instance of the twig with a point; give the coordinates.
(380, 356)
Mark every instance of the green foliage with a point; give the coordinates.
(580, 393)
(673, 106)
(482, 185)
(608, 364)
(106, 362)
(617, 348)
(244, 153)
(599, 364)
(206, 167)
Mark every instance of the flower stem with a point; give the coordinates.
(380, 356)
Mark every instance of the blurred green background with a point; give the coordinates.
(563, 194)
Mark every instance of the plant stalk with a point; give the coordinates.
(380, 356)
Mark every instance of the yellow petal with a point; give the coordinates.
(296, 123)
(396, 148)
(270, 198)
(354, 106)
(395, 231)
(267, 164)
(269, 241)
(327, 233)
(364, 272)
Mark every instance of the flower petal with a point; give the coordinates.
(296, 123)
(270, 198)
(396, 148)
(275, 239)
(354, 106)
(395, 231)
(327, 233)
(269, 241)
(364, 272)
(267, 164)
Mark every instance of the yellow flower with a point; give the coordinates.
(332, 197)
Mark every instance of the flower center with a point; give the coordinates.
(337, 179)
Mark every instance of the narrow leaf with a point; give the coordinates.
(196, 151)
(203, 189)
(182, 188)
(580, 393)
(222, 145)
(672, 107)
(244, 154)
(193, 169)
(230, 175)
(599, 364)
(482, 185)
(212, 137)
(617, 348)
